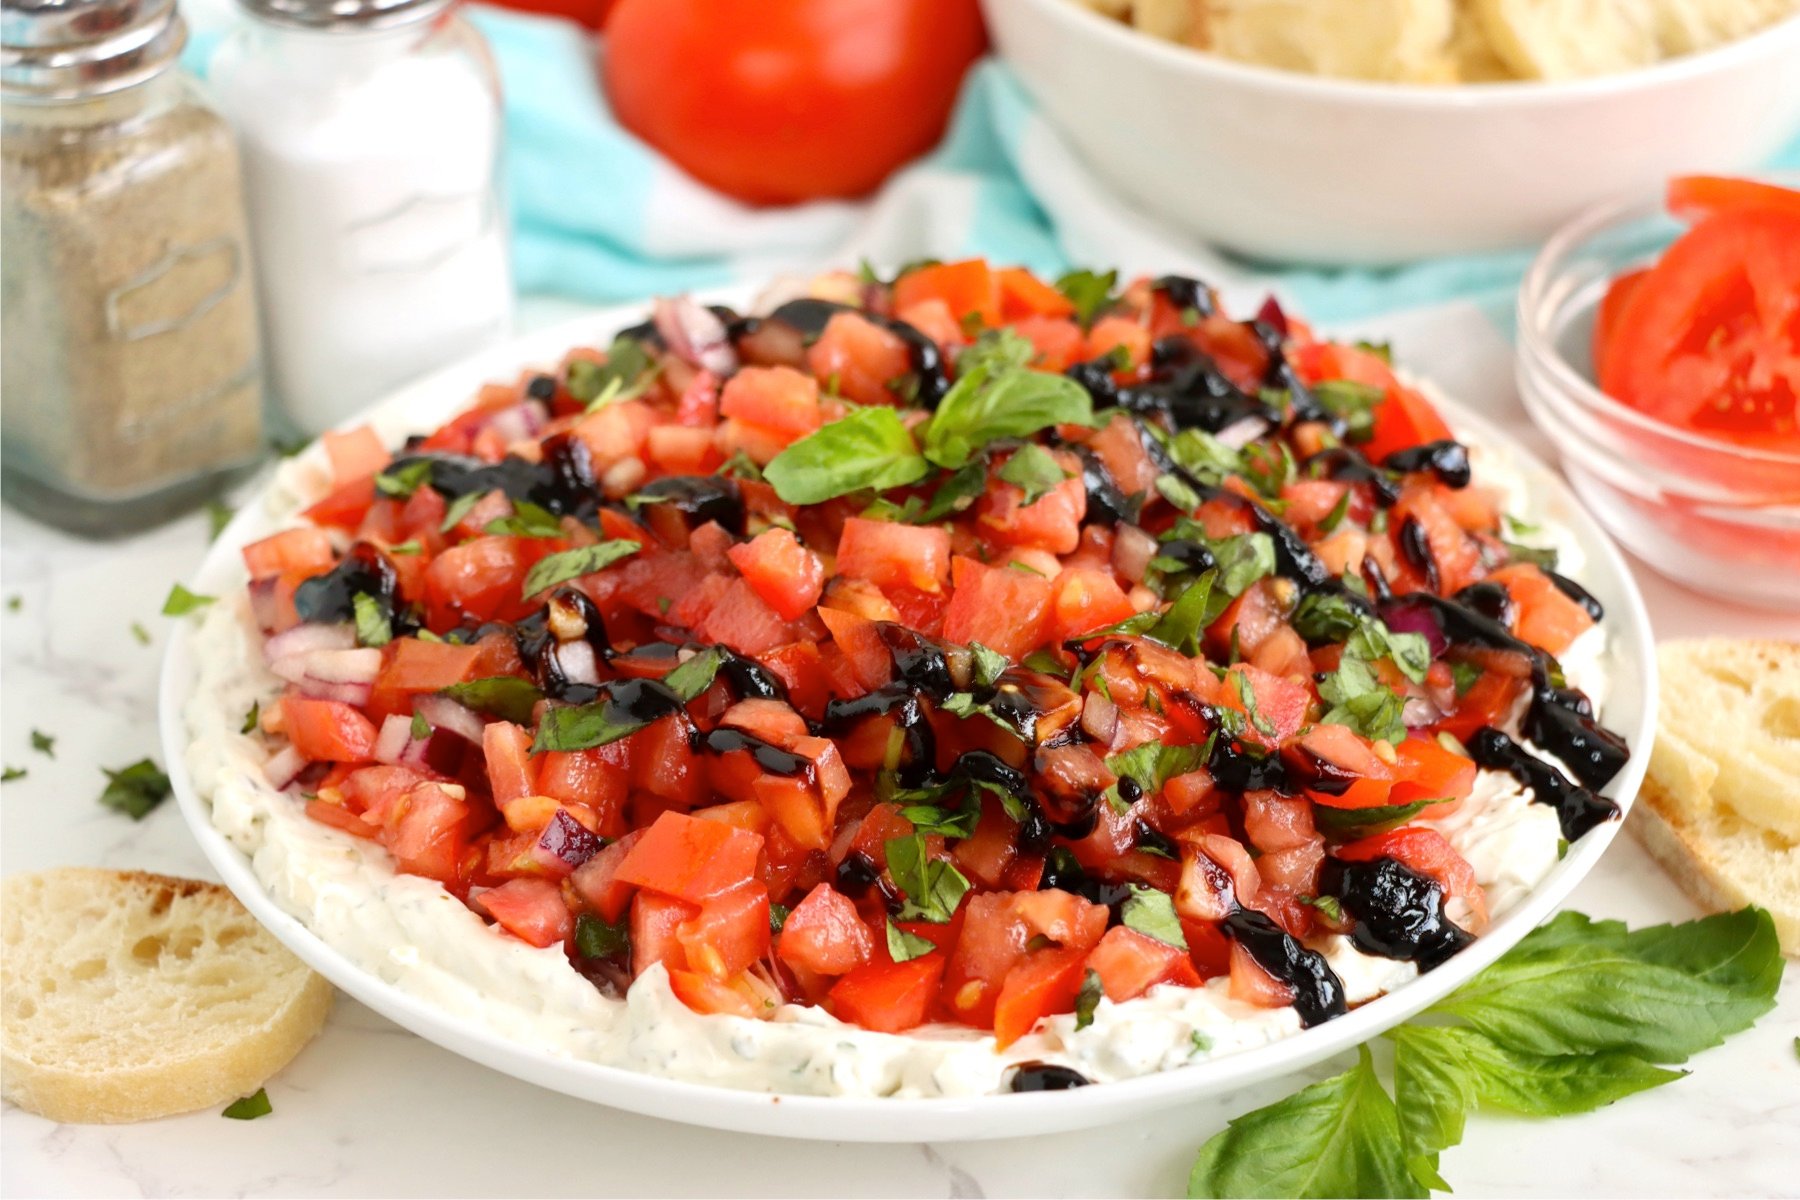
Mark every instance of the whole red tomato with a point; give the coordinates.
(776, 101)
(592, 13)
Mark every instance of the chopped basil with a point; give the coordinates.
(527, 520)
(459, 508)
(505, 696)
(43, 743)
(1347, 823)
(697, 673)
(1362, 702)
(1178, 493)
(181, 601)
(373, 625)
(1382, 350)
(868, 448)
(1247, 696)
(1465, 674)
(421, 728)
(14, 603)
(959, 490)
(778, 915)
(1043, 662)
(411, 546)
(1352, 401)
(1152, 913)
(136, 789)
(1180, 627)
(603, 721)
(140, 633)
(1242, 559)
(8, 774)
(403, 481)
(1338, 512)
(904, 947)
(1540, 556)
(1198, 1043)
(288, 447)
(595, 938)
(250, 1107)
(933, 887)
(1202, 455)
(987, 666)
(1088, 998)
(1088, 291)
(1035, 471)
(1326, 904)
(626, 373)
(218, 516)
(741, 466)
(945, 822)
(1268, 468)
(252, 718)
(1328, 617)
(1152, 765)
(572, 564)
(997, 396)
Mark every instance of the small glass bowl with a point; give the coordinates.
(1717, 516)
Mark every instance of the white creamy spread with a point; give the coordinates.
(414, 935)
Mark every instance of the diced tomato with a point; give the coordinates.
(1280, 704)
(1358, 777)
(709, 996)
(529, 909)
(778, 399)
(1695, 197)
(825, 934)
(1123, 338)
(1130, 963)
(355, 454)
(1086, 599)
(427, 832)
(597, 883)
(887, 552)
(858, 359)
(481, 580)
(1403, 418)
(1044, 983)
(786, 575)
(742, 620)
(1429, 853)
(1057, 341)
(730, 932)
(1252, 985)
(656, 922)
(690, 859)
(1023, 294)
(664, 764)
(967, 287)
(888, 997)
(346, 505)
(508, 751)
(306, 548)
(1543, 615)
(1002, 608)
(1052, 522)
(327, 730)
(596, 778)
(1429, 771)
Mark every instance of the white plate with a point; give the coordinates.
(423, 405)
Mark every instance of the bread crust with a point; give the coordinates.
(192, 1004)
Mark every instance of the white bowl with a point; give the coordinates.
(1630, 709)
(1292, 167)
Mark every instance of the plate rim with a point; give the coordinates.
(846, 1118)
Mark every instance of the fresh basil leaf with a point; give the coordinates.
(868, 448)
(904, 947)
(1434, 1090)
(1134, 626)
(250, 1107)
(1034, 470)
(997, 397)
(136, 789)
(1362, 702)
(402, 481)
(508, 697)
(626, 373)
(1347, 824)
(1336, 516)
(1088, 999)
(1554, 1085)
(987, 666)
(959, 490)
(595, 938)
(1326, 617)
(1330, 617)
(1088, 291)
(1152, 765)
(527, 520)
(43, 743)
(1541, 556)
(1268, 467)
(1203, 456)
(373, 627)
(553, 569)
(1662, 994)
(696, 674)
(1152, 913)
(1044, 663)
(253, 718)
(1464, 674)
(1246, 693)
(10, 773)
(1173, 489)
(1242, 560)
(1181, 626)
(778, 915)
(1339, 1137)
(946, 822)
(1354, 402)
(182, 602)
(1326, 904)
(459, 508)
(933, 888)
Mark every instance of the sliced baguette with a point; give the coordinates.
(1720, 808)
(129, 996)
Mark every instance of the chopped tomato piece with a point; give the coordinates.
(778, 399)
(966, 288)
(307, 548)
(730, 932)
(887, 552)
(825, 934)
(1044, 983)
(1542, 614)
(327, 730)
(1023, 294)
(529, 909)
(1130, 963)
(888, 997)
(786, 575)
(1000, 607)
(690, 859)
(858, 359)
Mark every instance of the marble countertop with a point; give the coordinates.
(372, 1110)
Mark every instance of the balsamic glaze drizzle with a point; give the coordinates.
(1045, 1077)
(1577, 809)
(1318, 992)
(1399, 912)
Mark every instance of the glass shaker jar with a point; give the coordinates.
(129, 359)
(371, 132)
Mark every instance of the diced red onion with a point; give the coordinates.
(360, 665)
(1132, 551)
(444, 713)
(265, 605)
(446, 752)
(1402, 617)
(1420, 711)
(578, 662)
(307, 638)
(567, 841)
(344, 693)
(283, 767)
(1272, 315)
(519, 422)
(392, 742)
(1100, 718)
(1242, 432)
(695, 334)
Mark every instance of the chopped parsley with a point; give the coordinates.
(136, 789)
(250, 1107)
(182, 602)
(1088, 998)
(10, 773)
(43, 743)
(904, 947)
(252, 718)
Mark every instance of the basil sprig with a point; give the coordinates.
(553, 569)
(996, 395)
(584, 726)
(869, 448)
(1579, 1014)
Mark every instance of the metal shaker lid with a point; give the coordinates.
(345, 14)
(68, 49)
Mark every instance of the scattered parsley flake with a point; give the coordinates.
(140, 633)
(136, 789)
(250, 1107)
(43, 743)
(182, 602)
(8, 774)
(218, 516)
(252, 718)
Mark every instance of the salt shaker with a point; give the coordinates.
(371, 134)
(130, 365)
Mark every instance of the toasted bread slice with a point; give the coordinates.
(129, 996)
(1720, 808)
